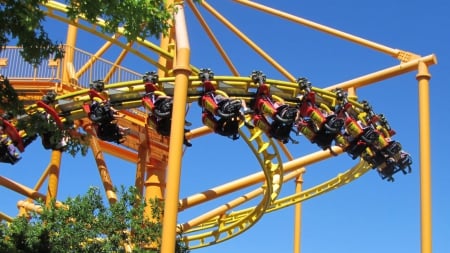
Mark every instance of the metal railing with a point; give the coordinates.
(13, 66)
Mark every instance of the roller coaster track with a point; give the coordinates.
(224, 222)
(263, 147)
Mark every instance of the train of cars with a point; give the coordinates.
(361, 133)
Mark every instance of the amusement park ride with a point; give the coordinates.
(136, 117)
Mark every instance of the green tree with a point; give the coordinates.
(22, 21)
(85, 224)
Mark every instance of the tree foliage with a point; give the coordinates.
(85, 224)
(22, 21)
(142, 19)
(9, 100)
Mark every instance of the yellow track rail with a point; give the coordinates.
(224, 226)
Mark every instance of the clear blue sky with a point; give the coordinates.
(368, 215)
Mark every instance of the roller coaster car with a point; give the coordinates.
(12, 133)
(220, 113)
(49, 139)
(392, 166)
(51, 112)
(227, 124)
(283, 123)
(282, 115)
(317, 126)
(356, 138)
(389, 160)
(356, 146)
(278, 130)
(228, 127)
(160, 116)
(163, 107)
(156, 101)
(101, 112)
(404, 162)
(324, 123)
(6, 156)
(19, 138)
(8, 151)
(217, 104)
(102, 115)
(109, 132)
(321, 138)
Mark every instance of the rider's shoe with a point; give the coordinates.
(248, 111)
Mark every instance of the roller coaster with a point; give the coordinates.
(136, 117)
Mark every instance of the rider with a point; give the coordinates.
(318, 126)
(51, 138)
(20, 139)
(357, 135)
(221, 113)
(104, 115)
(160, 106)
(384, 154)
(282, 115)
(8, 152)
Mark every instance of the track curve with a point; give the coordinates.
(223, 226)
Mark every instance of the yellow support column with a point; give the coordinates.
(423, 76)
(154, 183)
(140, 165)
(182, 72)
(69, 72)
(154, 189)
(53, 177)
(102, 169)
(298, 215)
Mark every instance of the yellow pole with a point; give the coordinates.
(385, 74)
(53, 177)
(423, 76)
(154, 183)
(255, 178)
(298, 215)
(102, 169)
(166, 45)
(154, 189)
(322, 28)
(182, 72)
(298, 206)
(141, 164)
(69, 70)
(21, 189)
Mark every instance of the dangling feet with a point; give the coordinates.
(247, 111)
(185, 140)
(187, 143)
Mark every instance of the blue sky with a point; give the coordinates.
(368, 215)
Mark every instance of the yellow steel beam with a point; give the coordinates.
(102, 168)
(423, 77)
(182, 71)
(53, 177)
